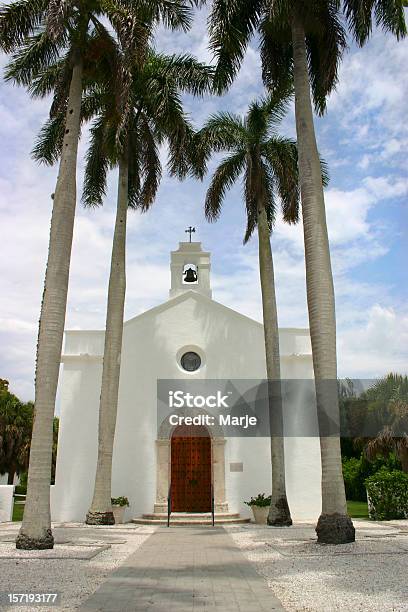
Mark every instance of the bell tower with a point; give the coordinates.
(190, 269)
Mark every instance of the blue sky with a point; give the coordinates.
(363, 136)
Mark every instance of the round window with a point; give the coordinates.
(190, 361)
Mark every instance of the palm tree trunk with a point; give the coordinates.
(100, 512)
(334, 526)
(35, 532)
(279, 513)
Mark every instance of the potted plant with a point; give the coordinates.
(118, 508)
(260, 507)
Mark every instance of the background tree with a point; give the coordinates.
(42, 32)
(267, 164)
(389, 398)
(16, 421)
(302, 42)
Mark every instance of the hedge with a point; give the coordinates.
(388, 495)
(357, 470)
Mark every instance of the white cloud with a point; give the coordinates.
(377, 347)
(370, 101)
(384, 188)
(364, 136)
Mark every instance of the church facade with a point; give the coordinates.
(188, 337)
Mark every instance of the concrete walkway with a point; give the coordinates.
(180, 569)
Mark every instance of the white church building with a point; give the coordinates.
(189, 336)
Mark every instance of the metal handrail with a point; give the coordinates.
(212, 504)
(169, 506)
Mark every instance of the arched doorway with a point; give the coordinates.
(191, 469)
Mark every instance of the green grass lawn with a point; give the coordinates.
(18, 512)
(357, 509)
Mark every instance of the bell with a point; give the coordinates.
(190, 276)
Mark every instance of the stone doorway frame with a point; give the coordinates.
(163, 464)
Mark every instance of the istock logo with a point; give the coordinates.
(179, 399)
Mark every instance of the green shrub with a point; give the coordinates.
(20, 490)
(260, 500)
(388, 494)
(354, 479)
(119, 501)
(23, 479)
(356, 471)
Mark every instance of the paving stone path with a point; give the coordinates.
(180, 569)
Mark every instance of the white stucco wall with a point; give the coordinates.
(4, 479)
(6, 502)
(232, 347)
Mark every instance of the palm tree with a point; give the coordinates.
(16, 421)
(389, 398)
(267, 164)
(42, 32)
(154, 115)
(303, 42)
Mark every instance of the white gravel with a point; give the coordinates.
(370, 575)
(66, 569)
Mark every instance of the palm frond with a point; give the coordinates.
(149, 164)
(269, 180)
(359, 17)
(222, 132)
(134, 163)
(325, 43)
(96, 165)
(133, 29)
(256, 121)
(102, 51)
(275, 105)
(45, 81)
(325, 172)
(19, 20)
(36, 54)
(231, 25)
(162, 102)
(183, 70)
(61, 87)
(251, 199)
(160, 96)
(223, 179)
(389, 14)
(175, 14)
(57, 14)
(281, 155)
(276, 51)
(258, 191)
(182, 158)
(48, 145)
(264, 114)
(93, 103)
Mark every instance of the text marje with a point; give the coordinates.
(205, 419)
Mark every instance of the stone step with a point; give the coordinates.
(190, 515)
(190, 518)
(142, 521)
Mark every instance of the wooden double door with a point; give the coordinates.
(190, 469)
